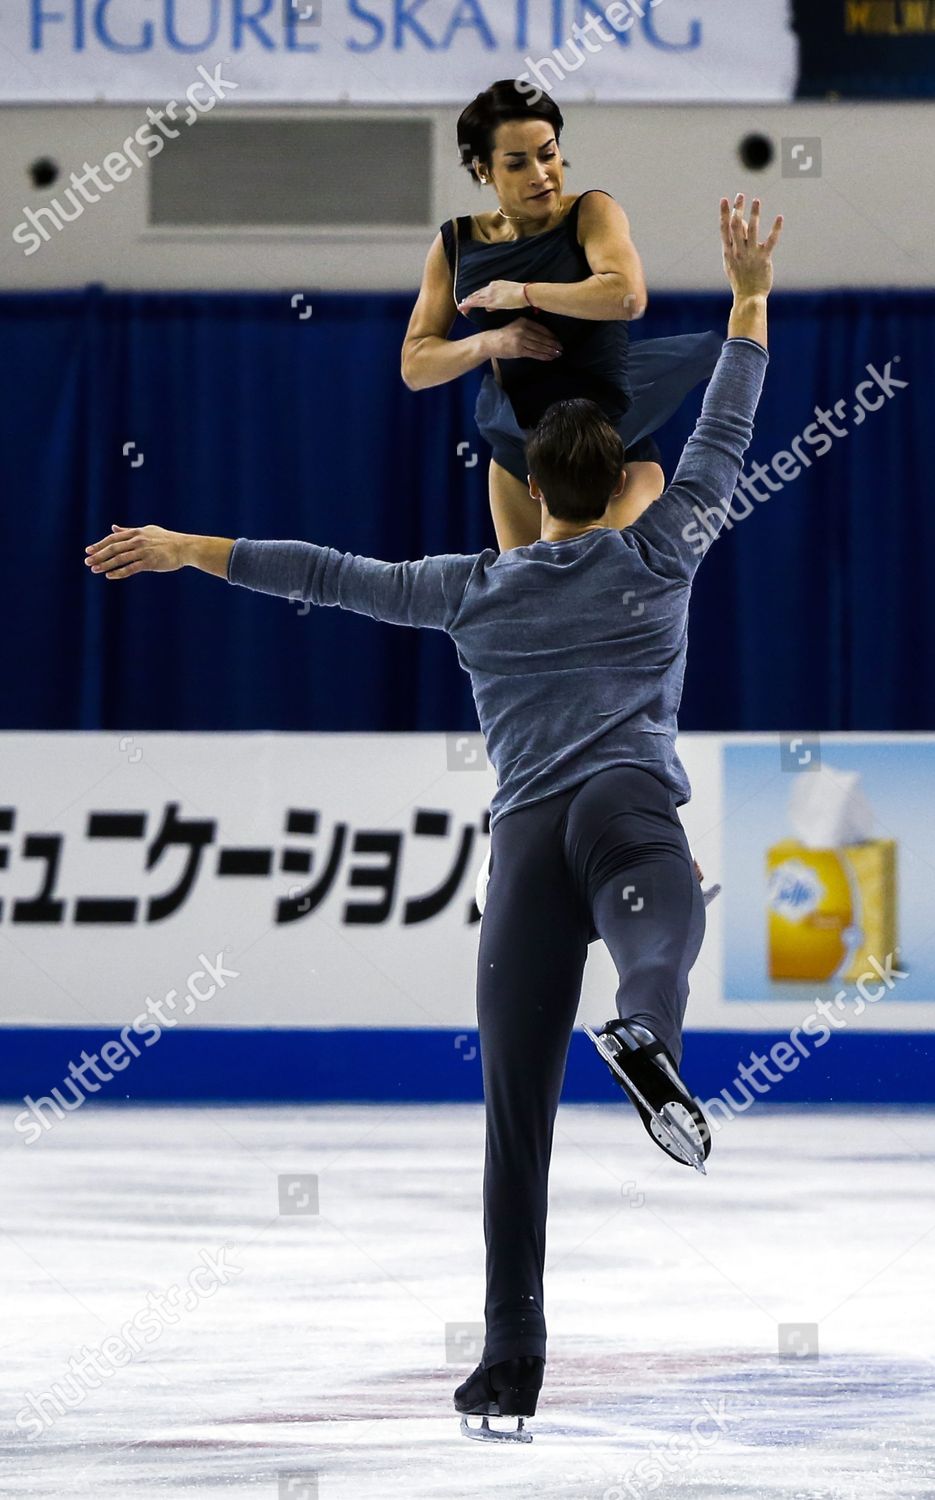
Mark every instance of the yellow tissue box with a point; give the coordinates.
(830, 909)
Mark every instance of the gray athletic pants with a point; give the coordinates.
(611, 855)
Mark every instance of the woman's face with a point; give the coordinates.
(526, 169)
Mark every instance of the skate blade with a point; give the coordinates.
(487, 1434)
(682, 1134)
(672, 1126)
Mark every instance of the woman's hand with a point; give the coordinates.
(137, 549)
(497, 296)
(523, 339)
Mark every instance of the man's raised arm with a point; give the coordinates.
(425, 593)
(681, 524)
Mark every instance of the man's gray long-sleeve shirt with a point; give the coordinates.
(575, 649)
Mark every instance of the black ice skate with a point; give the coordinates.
(642, 1065)
(508, 1389)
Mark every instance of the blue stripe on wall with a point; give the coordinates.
(421, 1066)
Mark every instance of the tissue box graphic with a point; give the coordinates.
(829, 909)
(831, 890)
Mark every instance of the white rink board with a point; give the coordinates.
(320, 970)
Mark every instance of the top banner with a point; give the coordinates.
(398, 52)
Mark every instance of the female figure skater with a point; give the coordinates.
(550, 281)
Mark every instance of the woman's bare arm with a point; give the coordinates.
(431, 358)
(614, 292)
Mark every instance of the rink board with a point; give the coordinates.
(284, 916)
(409, 1067)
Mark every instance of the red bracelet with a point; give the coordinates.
(526, 295)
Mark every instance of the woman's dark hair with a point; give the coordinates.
(503, 101)
(575, 456)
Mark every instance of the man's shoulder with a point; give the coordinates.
(470, 567)
(462, 562)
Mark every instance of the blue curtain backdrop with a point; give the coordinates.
(812, 613)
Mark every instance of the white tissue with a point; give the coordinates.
(828, 808)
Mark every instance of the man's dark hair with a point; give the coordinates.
(503, 101)
(575, 456)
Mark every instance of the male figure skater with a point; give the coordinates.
(576, 649)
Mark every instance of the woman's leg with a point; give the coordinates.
(645, 483)
(517, 517)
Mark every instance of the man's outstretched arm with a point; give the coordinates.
(681, 524)
(425, 593)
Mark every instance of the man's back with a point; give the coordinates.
(576, 651)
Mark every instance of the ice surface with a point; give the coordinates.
(320, 1370)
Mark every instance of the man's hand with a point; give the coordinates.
(749, 268)
(138, 549)
(748, 264)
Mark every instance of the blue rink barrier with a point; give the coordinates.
(436, 1066)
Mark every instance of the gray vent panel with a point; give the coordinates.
(294, 172)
